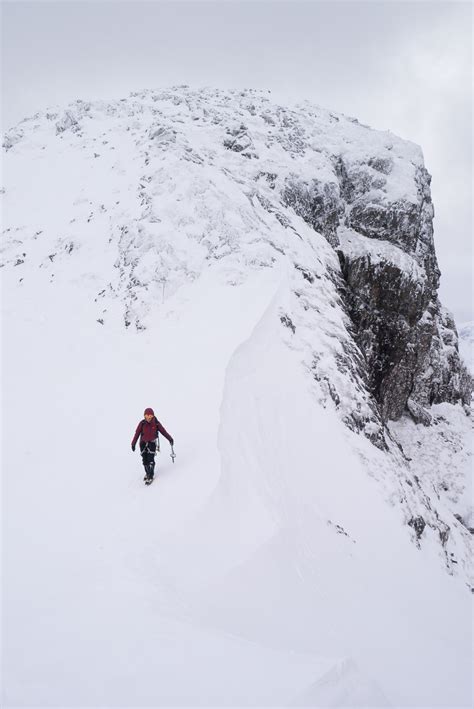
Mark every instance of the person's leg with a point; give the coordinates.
(151, 459)
(144, 451)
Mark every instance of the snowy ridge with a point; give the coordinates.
(285, 559)
(156, 179)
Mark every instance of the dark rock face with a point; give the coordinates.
(388, 260)
(318, 203)
(385, 306)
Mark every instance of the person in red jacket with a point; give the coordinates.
(148, 430)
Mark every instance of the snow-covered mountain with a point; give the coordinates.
(266, 279)
(466, 344)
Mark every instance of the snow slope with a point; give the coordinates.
(240, 579)
(271, 565)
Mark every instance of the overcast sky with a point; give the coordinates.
(402, 65)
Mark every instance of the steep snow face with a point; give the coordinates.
(198, 252)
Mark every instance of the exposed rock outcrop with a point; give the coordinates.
(385, 245)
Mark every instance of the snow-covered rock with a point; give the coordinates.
(466, 344)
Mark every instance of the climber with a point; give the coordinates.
(148, 430)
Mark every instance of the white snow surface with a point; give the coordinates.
(272, 564)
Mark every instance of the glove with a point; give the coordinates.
(133, 447)
(172, 442)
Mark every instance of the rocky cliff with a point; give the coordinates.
(376, 212)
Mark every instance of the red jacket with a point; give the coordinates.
(149, 431)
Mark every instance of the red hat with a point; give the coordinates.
(149, 411)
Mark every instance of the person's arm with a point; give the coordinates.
(164, 432)
(137, 433)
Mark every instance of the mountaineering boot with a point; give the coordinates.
(149, 474)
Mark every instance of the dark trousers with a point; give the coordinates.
(148, 451)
